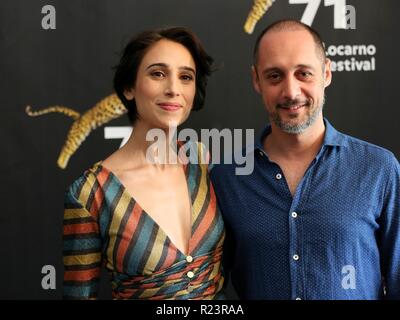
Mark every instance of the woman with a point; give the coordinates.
(154, 225)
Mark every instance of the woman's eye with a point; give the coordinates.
(157, 74)
(187, 77)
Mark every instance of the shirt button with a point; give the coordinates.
(294, 214)
(190, 288)
(295, 257)
(278, 176)
(189, 259)
(190, 274)
(298, 298)
(261, 153)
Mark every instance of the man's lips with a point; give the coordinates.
(169, 106)
(297, 107)
(293, 107)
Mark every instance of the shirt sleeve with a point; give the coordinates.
(81, 251)
(390, 234)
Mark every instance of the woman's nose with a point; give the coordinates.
(172, 87)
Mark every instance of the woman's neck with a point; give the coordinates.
(151, 146)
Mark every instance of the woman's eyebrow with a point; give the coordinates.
(188, 69)
(164, 65)
(158, 64)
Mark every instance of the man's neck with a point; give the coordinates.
(295, 146)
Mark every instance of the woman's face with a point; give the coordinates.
(165, 85)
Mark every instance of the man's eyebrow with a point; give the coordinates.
(306, 66)
(276, 69)
(164, 65)
(268, 70)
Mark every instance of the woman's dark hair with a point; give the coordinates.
(135, 50)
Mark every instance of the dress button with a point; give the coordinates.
(278, 176)
(296, 257)
(189, 259)
(294, 214)
(190, 274)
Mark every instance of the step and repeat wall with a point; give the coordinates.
(62, 53)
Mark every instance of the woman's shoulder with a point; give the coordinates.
(86, 181)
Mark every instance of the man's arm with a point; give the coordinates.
(390, 234)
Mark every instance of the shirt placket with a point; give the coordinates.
(296, 239)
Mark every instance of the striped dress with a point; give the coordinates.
(105, 226)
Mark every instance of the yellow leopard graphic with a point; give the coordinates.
(104, 111)
(257, 11)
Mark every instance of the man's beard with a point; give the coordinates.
(296, 128)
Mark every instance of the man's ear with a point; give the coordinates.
(129, 93)
(327, 73)
(256, 80)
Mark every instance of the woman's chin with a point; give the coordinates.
(168, 124)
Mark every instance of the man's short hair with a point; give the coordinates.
(291, 25)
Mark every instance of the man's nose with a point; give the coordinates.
(291, 88)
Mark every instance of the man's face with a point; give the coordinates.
(291, 78)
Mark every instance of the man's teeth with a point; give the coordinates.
(294, 107)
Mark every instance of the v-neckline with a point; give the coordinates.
(125, 190)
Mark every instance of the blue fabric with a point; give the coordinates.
(346, 232)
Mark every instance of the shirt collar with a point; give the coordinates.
(332, 137)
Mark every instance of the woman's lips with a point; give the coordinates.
(169, 106)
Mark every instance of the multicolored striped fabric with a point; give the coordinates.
(105, 226)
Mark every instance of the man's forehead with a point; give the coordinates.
(282, 37)
(294, 47)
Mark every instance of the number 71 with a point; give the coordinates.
(339, 13)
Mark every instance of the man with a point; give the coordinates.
(318, 218)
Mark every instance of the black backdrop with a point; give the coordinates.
(71, 65)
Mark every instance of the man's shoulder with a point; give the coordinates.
(216, 170)
(229, 166)
(366, 147)
(367, 150)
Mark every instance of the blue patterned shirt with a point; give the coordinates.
(336, 238)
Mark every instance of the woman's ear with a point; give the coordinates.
(129, 93)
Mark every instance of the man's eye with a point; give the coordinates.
(306, 74)
(274, 76)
